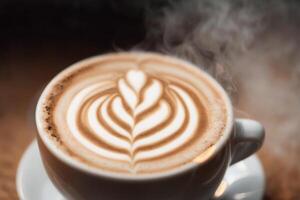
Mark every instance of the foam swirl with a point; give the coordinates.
(138, 118)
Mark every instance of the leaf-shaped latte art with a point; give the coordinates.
(139, 118)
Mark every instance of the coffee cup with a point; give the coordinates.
(198, 178)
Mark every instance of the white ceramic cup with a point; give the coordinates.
(194, 181)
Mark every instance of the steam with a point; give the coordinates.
(207, 33)
(213, 33)
(253, 49)
(206, 28)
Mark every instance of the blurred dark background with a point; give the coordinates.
(250, 47)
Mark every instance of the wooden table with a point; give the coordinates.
(266, 82)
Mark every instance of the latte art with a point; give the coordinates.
(133, 113)
(138, 118)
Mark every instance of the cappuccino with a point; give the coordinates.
(134, 113)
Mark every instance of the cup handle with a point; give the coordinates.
(248, 138)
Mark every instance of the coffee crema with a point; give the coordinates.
(135, 113)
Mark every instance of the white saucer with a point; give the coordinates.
(243, 181)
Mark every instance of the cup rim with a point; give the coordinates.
(66, 159)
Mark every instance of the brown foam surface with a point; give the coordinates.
(134, 113)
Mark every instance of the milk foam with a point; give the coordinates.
(133, 92)
(127, 118)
